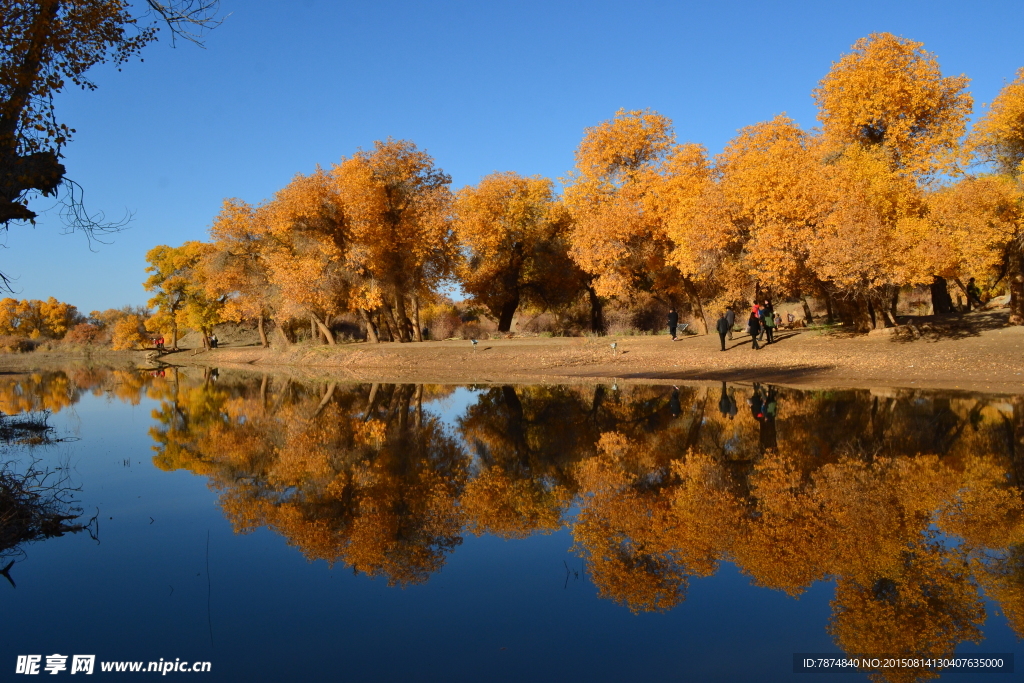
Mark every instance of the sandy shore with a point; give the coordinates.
(974, 353)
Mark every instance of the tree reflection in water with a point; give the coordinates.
(909, 500)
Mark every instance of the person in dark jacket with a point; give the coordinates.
(730, 317)
(768, 320)
(754, 328)
(723, 328)
(673, 322)
(973, 295)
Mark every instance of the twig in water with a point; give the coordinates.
(209, 618)
(6, 573)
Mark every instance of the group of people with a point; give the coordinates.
(762, 323)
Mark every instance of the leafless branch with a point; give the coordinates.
(189, 20)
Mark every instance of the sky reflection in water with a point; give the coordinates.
(424, 532)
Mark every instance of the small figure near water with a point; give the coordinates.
(673, 322)
(754, 328)
(723, 327)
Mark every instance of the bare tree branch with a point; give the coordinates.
(189, 20)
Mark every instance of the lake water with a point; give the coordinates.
(300, 531)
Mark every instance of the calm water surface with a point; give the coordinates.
(289, 531)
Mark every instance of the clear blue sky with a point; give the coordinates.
(285, 85)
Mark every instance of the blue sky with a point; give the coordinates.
(484, 86)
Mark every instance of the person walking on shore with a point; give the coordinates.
(673, 322)
(723, 328)
(757, 311)
(973, 295)
(730, 317)
(768, 320)
(754, 328)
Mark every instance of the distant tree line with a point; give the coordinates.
(891, 191)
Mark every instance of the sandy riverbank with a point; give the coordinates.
(975, 353)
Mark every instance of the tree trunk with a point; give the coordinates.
(596, 311)
(324, 330)
(862, 318)
(1015, 275)
(808, 316)
(508, 310)
(695, 298)
(263, 332)
(403, 318)
(416, 318)
(39, 171)
(845, 311)
(393, 327)
(281, 332)
(882, 307)
(942, 302)
(830, 316)
(371, 331)
(314, 335)
(174, 329)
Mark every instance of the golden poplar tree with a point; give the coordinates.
(771, 187)
(513, 232)
(398, 217)
(236, 267)
(889, 93)
(998, 139)
(890, 121)
(179, 293)
(617, 235)
(306, 252)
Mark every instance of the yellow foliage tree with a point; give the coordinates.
(617, 235)
(126, 334)
(771, 188)
(306, 252)
(998, 139)
(179, 295)
(889, 93)
(513, 232)
(978, 225)
(236, 268)
(398, 217)
(35, 319)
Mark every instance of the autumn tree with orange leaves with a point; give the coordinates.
(397, 208)
(34, 319)
(514, 234)
(180, 296)
(617, 235)
(890, 121)
(304, 242)
(997, 139)
(237, 267)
